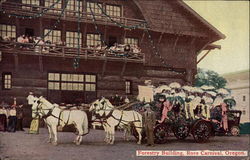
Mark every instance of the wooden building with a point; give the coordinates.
(169, 33)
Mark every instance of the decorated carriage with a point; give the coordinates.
(178, 125)
(180, 122)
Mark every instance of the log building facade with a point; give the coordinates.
(169, 33)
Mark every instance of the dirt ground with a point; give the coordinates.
(23, 146)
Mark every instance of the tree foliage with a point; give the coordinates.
(210, 78)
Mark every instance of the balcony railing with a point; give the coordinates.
(70, 52)
(69, 15)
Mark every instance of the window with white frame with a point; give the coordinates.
(96, 8)
(131, 41)
(128, 89)
(72, 82)
(73, 6)
(7, 31)
(72, 39)
(31, 3)
(57, 5)
(7, 79)
(90, 83)
(53, 36)
(54, 81)
(93, 39)
(113, 11)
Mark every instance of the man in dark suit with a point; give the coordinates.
(149, 123)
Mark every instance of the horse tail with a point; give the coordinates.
(85, 125)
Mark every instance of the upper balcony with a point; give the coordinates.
(70, 52)
(27, 10)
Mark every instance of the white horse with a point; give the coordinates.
(54, 116)
(114, 117)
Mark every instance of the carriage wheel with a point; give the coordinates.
(235, 131)
(181, 132)
(161, 133)
(136, 135)
(201, 131)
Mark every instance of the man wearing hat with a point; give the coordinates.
(148, 119)
(34, 125)
(219, 101)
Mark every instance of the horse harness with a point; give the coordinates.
(120, 120)
(50, 114)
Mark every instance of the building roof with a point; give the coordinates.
(176, 17)
(201, 19)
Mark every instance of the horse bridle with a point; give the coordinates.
(39, 108)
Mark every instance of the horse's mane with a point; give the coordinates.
(108, 103)
(45, 102)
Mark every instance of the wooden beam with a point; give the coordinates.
(192, 41)
(41, 63)
(124, 36)
(142, 38)
(203, 57)
(105, 33)
(123, 68)
(175, 43)
(159, 40)
(85, 34)
(203, 47)
(104, 67)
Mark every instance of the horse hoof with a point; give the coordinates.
(78, 143)
(55, 143)
(49, 141)
(138, 142)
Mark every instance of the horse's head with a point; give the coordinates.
(35, 107)
(105, 103)
(94, 105)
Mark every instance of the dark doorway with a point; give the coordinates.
(29, 31)
(112, 41)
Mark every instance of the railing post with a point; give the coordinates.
(63, 51)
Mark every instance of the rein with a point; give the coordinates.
(110, 114)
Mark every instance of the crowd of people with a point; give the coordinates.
(11, 117)
(195, 102)
(118, 49)
(27, 42)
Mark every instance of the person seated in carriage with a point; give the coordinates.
(197, 104)
(208, 98)
(221, 103)
(188, 98)
(173, 102)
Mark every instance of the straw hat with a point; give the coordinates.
(174, 85)
(211, 93)
(197, 90)
(187, 88)
(222, 91)
(206, 87)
